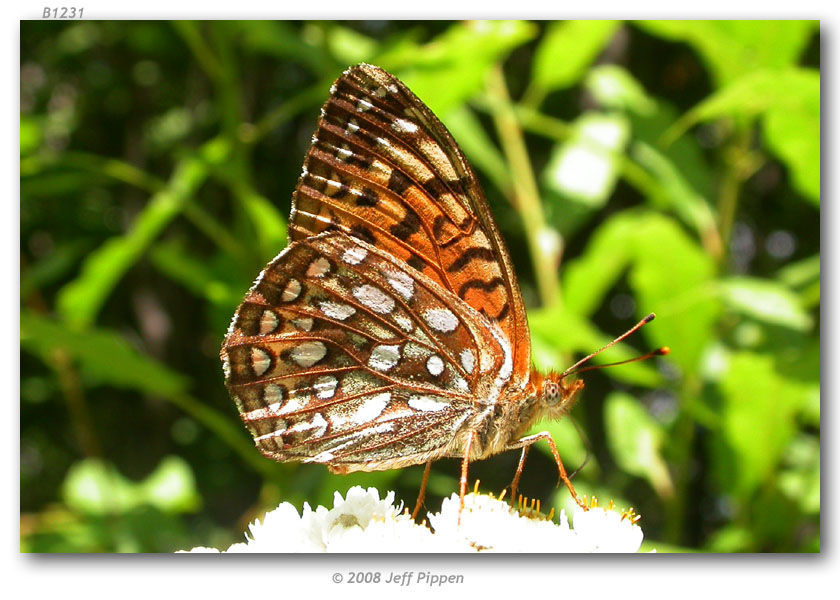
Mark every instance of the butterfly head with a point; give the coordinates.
(557, 395)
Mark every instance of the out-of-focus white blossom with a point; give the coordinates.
(362, 522)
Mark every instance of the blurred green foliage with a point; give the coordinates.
(672, 166)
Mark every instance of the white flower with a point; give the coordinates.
(361, 522)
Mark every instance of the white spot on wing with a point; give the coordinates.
(404, 126)
(268, 322)
(441, 319)
(354, 255)
(273, 394)
(384, 357)
(260, 361)
(291, 291)
(435, 365)
(308, 353)
(336, 310)
(303, 323)
(426, 404)
(317, 422)
(318, 267)
(404, 323)
(325, 386)
(374, 298)
(468, 360)
(400, 282)
(367, 411)
(363, 105)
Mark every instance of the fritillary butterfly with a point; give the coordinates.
(391, 331)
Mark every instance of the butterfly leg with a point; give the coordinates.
(422, 495)
(527, 441)
(514, 486)
(462, 491)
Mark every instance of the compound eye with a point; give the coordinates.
(552, 393)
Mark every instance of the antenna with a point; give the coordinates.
(658, 352)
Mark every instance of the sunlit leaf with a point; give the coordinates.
(800, 479)
(757, 420)
(732, 49)
(51, 268)
(636, 440)
(31, 134)
(615, 88)
(477, 145)
(94, 486)
(196, 275)
(453, 67)
(766, 301)
(789, 103)
(585, 167)
(671, 275)
(104, 356)
(677, 194)
(80, 300)
(587, 278)
(567, 49)
(350, 46)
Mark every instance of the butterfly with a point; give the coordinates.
(391, 331)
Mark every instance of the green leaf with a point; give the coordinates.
(80, 300)
(566, 51)
(270, 224)
(585, 167)
(281, 39)
(757, 421)
(452, 68)
(477, 145)
(31, 134)
(789, 103)
(52, 267)
(766, 301)
(793, 134)
(172, 259)
(96, 487)
(171, 486)
(103, 356)
(801, 273)
(677, 193)
(800, 479)
(636, 440)
(732, 49)
(588, 278)
(615, 88)
(349, 46)
(672, 277)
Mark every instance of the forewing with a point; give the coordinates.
(384, 169)
(340, 355)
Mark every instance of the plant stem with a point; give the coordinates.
(731, 184)
(526, 193)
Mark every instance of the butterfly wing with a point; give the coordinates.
(384, 169)
(340, 355)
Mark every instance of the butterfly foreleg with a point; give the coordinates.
(422, 495)
(525, 443)
(465, 463)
